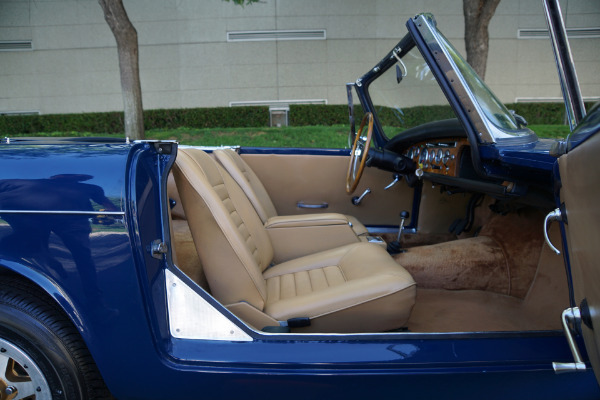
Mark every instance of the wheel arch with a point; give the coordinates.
(43, 302)
(46, 286)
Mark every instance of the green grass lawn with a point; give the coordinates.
(292, 136)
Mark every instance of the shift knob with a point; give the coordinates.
(404, 214)
(395, 247)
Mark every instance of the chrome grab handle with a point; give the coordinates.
(570, 315)
(552, 216)
(302, 204)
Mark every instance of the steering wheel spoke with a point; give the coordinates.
(358, 155)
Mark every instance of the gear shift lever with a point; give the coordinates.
(395, 247)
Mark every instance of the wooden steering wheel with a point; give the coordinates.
(358, 155)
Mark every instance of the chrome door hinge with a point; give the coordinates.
(158, 248)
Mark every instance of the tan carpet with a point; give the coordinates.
(438, 310)
(468, 264)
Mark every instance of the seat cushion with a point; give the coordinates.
(354, 288)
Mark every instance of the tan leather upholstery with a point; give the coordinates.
(295, 236)
(354, 288)
(248, 181)
(183, 249)
(348, 280)
(322, 178)
(241, 172)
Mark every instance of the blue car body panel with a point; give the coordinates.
(118, 303)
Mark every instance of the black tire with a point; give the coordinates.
(43, 347)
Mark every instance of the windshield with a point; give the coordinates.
(493, 108)
(407, 93)
(397, 96)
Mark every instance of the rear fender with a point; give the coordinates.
(47, 285)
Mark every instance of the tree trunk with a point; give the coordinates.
(127, 48)
(478, 14)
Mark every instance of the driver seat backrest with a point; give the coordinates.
(247, 179)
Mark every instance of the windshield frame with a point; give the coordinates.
(487, 130)
(362, 84)
(423, 34)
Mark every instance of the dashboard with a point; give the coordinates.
(442, 151)
(440, 157)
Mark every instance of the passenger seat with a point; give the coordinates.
(247, 179)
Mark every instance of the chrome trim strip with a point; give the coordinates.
(61, 212)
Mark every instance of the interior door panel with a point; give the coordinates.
(316, 179)
(580, 177)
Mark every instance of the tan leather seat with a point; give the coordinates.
(245, 177)
(353, 288)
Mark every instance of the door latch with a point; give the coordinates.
(555, 215)
(573, 316)
(158, 248)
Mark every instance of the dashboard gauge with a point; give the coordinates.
(446, 157)
(423, 157)
(439, 155)
(416, 151)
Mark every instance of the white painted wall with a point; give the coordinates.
(186, 61)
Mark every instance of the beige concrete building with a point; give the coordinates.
(59, 56)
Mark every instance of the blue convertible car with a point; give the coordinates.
(149, 270)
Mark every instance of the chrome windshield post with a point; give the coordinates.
(569, 83)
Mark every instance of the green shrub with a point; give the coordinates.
(255, 116)
(540, 113)
(301, 115)
(112, 122)
(223, 117)
(88, 122)
(319, 114)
